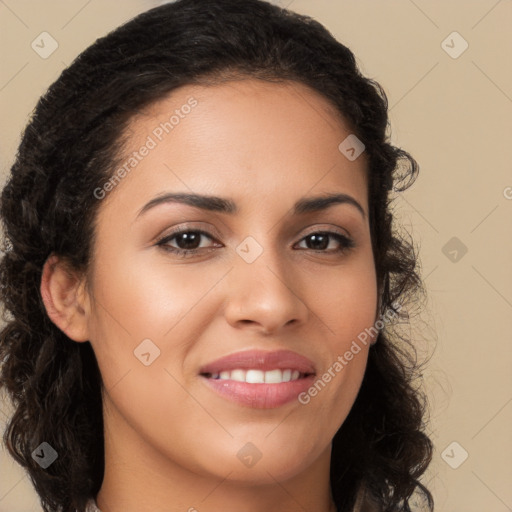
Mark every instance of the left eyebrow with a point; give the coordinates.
(225, 205)
(314, 204)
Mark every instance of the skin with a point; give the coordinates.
(171, 443)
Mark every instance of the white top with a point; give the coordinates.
(91, 506)
(360, 506)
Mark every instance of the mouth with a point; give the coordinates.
(259, 379)
(255, 376)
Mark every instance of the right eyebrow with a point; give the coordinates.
(226, 205)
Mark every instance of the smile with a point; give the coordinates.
(254, 376)
(259, 379)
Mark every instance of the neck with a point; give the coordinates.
(139, 478)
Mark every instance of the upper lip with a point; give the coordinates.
(261, 360)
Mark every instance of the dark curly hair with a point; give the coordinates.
(72, 145)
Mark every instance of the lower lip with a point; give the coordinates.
(260, 396)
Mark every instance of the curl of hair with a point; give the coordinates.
(72, 145)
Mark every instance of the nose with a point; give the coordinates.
(265, 295)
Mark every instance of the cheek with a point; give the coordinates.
(134, 302)
(147, 300)
(347, 306)
(347, 300)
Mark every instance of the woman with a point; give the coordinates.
(203, 279)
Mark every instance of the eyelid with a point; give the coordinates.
(187, 226)
(346, 240)
(315, 228)
(331, 228)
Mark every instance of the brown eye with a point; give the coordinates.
(187, 241)
(319, 241)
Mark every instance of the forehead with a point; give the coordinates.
(246, 138)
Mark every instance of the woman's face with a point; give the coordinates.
(263, 276)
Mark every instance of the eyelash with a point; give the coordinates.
(346, 243)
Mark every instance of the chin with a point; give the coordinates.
(266, 462)
(278, 469)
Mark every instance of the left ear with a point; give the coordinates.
(65, 298)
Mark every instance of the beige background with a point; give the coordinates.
(455, 116)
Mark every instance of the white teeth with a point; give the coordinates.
(258, 376)
(238, 375)
(273, 376)
(255, 376)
